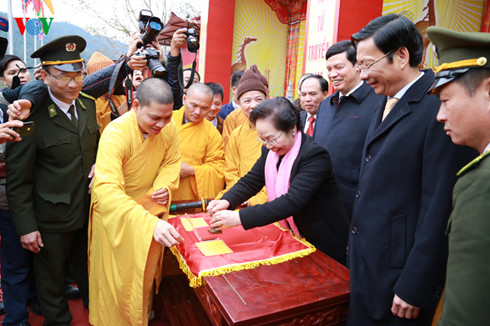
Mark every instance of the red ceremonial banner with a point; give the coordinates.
(233, 250)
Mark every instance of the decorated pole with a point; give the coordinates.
(10, 28)
(24, 9)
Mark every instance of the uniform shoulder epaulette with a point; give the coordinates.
(87, 96)
(473, 163)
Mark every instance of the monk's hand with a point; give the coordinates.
(160, 196)
(32, 241)
(166, 235)
(19, 110)
(402, 309)
(216, 206)
(91, 177)
(186, 170)
(225, 219)
(8, 134)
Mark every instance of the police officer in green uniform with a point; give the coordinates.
(463, 85)
(49, 175)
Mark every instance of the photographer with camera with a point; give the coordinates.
(147, 50)
(174, 59)
(148, 47)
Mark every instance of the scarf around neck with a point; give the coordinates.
(277, 180)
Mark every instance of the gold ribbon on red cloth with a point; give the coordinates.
(265, 245)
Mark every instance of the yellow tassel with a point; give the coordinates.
(197, 281)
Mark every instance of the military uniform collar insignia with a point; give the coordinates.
(473, 163)
(52, 110)
(81, 104)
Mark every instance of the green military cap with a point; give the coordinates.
(458, 52)
(62, 53)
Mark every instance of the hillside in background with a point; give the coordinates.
(95, 43)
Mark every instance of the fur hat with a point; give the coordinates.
(252, 80)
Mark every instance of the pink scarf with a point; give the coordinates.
(277, 182)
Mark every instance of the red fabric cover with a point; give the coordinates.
(262, 244)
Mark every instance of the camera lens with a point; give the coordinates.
(155, 25)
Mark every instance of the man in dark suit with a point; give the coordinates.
(49, 175)
(463, 85)
(397, 246)
(233, 105)
(313, 89)
(344, 117)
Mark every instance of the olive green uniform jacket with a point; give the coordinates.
(47, 172)
(466, 298)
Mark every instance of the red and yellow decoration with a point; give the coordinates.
(233, 250)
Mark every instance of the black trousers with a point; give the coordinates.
(50, 273)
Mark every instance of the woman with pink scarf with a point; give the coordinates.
(300, 184)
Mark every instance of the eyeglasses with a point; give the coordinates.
(67, 79)
(270, 141)
(362, 67)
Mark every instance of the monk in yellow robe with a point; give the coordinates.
(244, 148)
(136, 172)
(103, 108)
(232, 121)
(238, 117)
(201, 147)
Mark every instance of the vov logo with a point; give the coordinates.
(34, 26)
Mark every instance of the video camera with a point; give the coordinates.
(150, 26)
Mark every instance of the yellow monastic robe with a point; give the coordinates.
(241, 153)
(124, 259)
(232, 121)
(201, 147)
(104, 110)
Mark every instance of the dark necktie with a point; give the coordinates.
(309, 131)
(74, 119)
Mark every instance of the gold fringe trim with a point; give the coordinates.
(195, 281)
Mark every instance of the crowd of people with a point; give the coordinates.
(365, 174)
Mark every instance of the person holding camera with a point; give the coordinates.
(174, 59)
